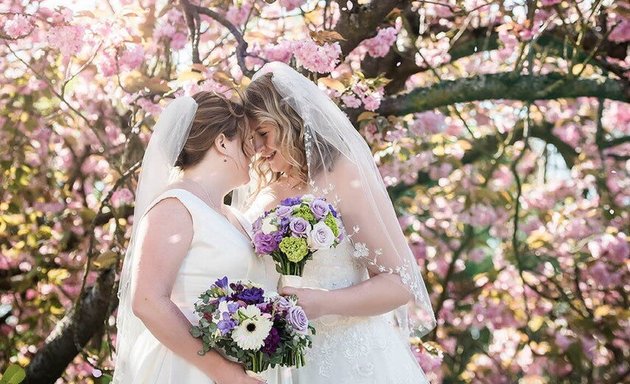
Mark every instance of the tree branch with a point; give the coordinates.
(508, 86)
(615, 142)
(358, 23)
(399, 67)
(60, 349)
(241, 48)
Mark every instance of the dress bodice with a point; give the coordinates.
(217, 249)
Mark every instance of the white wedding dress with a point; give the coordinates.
(353, 350)
(218, 249)
(346, 350)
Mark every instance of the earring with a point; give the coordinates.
(224, 160)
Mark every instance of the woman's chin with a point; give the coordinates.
(278, 168)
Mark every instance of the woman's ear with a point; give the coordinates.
(219, 144)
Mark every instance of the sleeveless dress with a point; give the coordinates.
(217, 249)
(349, 349)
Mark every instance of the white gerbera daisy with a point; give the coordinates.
(253, 329)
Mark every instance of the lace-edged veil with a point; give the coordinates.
(158, 171)
(341, 168)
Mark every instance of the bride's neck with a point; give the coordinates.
(211, 185)
(292, 183)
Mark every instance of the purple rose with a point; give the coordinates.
(290, 201)
(298, 320)
(252, 295)
(320, 208)
(271, 342)
(265, 244)
(299, 226)
(283, 211)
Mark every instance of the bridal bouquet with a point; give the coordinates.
(294, 230)
(257, 331)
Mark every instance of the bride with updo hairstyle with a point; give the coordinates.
(184, 239)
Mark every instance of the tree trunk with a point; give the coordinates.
(60, 349)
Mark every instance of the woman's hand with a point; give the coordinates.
(233, 373)
(312, 301)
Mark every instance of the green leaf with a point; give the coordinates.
(195, 332)
(13, 375)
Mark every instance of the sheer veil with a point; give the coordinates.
(341, 167)
(158, 171)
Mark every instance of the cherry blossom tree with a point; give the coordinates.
(502, 130)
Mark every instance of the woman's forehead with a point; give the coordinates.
(263, 125)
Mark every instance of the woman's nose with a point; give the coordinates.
(258, 144)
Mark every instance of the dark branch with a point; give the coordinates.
(615, 142)
(360, 22)
(59, 349)
(241, 48)
(399, 67)
(508, 86)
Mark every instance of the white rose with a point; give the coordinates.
(267, 227)
(321, 237)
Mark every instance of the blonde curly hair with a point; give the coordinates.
(264, 105)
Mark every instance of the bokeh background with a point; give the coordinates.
(502, 129)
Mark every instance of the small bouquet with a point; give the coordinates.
(258, 331)
(293, 231)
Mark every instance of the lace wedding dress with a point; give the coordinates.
(346, 350)
(353, 350)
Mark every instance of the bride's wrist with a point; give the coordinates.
(327, 303)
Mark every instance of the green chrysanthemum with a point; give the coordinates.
(304, 212)
(295, 248)
(331, 222)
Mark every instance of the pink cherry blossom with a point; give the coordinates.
(568, 133)
(316, 58)
(430, 363)
(106, 63)
(609, 247)
(132, 57)
(278, 52)
(238, 15)
(121, 197)
(621, 33)
(351, 101)
(548, 3)
(427, 123)
(18, 26)
(290, 5)
(67, 38)
(372, 100)
(379, 45)
(179, 40)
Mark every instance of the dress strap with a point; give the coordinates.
(170, 193)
